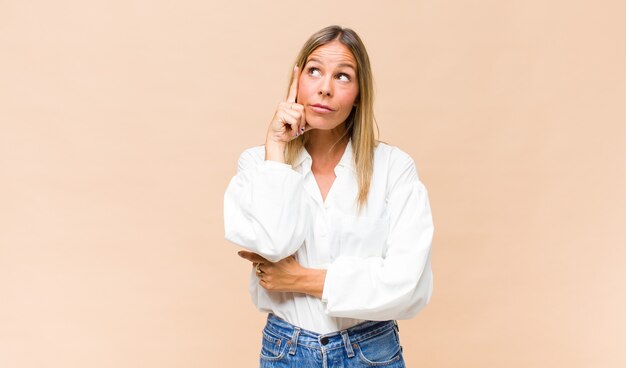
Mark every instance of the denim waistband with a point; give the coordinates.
(333, 340)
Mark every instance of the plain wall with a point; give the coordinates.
(120, 127)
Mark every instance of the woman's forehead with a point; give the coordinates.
(333, 53)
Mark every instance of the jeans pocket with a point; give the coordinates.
(380, 350)
(273, 347)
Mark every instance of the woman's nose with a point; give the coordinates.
(324, 92)
(325, 88)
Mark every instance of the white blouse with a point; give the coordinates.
(378, 263)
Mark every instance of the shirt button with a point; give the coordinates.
(324, 340)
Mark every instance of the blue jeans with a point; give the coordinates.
(368, 344)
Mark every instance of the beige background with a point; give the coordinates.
(121, 123)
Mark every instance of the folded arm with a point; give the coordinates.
(398, 285)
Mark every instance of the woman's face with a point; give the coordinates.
(328, 85)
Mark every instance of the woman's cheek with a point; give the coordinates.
(304, 90)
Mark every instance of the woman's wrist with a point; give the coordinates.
(311, 282)
(275, 151)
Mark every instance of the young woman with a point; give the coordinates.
(337, 225)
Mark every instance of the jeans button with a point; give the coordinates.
(324, 340)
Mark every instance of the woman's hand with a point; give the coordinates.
(283, 275)
(287, 275)
(289, 120)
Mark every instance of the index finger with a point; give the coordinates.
(252, 257)
(293, 90)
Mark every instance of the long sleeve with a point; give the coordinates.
(264, 208)
(399, 284)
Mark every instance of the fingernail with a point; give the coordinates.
(239, 253)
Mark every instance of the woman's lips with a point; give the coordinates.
(322, 109)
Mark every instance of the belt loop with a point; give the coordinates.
(347, 343)
(396, 324)
(294, 341)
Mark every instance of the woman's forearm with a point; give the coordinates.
(311, 282)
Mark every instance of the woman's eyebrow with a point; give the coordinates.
(340, 65)
(347, 65)
(313, 60)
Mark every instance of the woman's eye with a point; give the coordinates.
(314, 72)
(344, 77)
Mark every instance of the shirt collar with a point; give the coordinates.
(304, 158)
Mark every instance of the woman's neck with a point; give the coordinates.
(320, 142)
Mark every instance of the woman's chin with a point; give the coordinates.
(322, 124)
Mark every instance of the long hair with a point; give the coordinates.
(360, 122)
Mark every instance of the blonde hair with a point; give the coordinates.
(360, 122)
